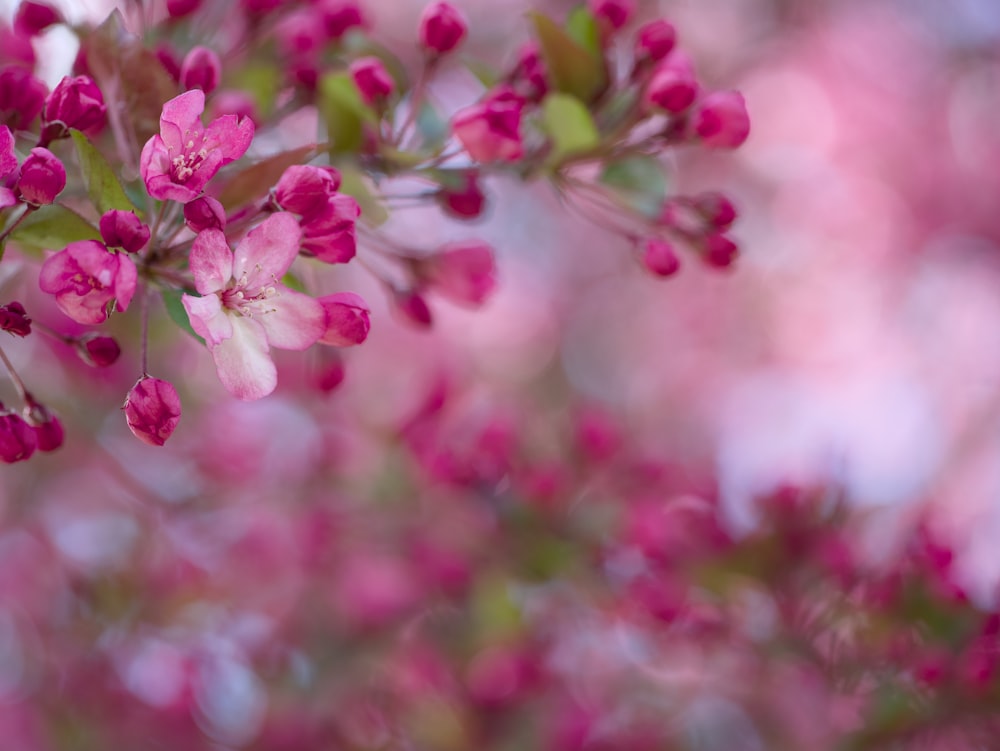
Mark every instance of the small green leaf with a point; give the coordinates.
(639, 181)
(175, 309)
(353, 183)
(52, 227)
(105, 191)
(432, 127)
(573, 68)
(582, 27)
(569, 125)
(483, 73)
(344, 112)
(258, 178)
(292, 281)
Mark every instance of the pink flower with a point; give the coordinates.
(442, 28)
(245, 310)
(42, 178)
(490, 131)
(85, 277)
(304, 189)
(465, 272)
(123, 229)
(372, 79)
(74, 103)
(655, 40)
(178, 163)
(33, 18)
(329, 234)
(22, 97)
(466, 201)
(152, 410)
(721, 120)
(347, 319)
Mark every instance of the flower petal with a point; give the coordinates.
(290, 319)
(267, 251)
(243, 363)
(207, 318)
(125, 281)
(211, 261)
(181, 118)
(230, 135)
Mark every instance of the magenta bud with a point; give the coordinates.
(42, 178)
(442, 28)
(331, 372)
(673, 86)
(97, 350)
(347, 319)
(123, 229)
(465, 272)
(614, 13)
(76, 102)
(304, 189)
(655, 40)
(719, 251)
(721, 121)
(14, 318)
(201, 69)
(204, 213)
(659, 257)
(49, 433)
(152, 410)
(181, 8)
(169, 60)
(340, 16)
(22, 97)
(18, 440)
(33, 18)
(466, 202)
(412, 307)
(490, 131)
(716, 209)
(372, 79)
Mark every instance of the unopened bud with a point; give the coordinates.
(372, 80)
(98, 351)
(152, 410)
(17, 439)
(721, 121)
(659, 257)
(201, 69)
(42, 178)
(14, 318)
(123, 229)
(442, 28)
(204, 212)
(347, 319)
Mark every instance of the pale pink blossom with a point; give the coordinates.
(178, 163)
(490, 131)
(245, 310)
(85, 277)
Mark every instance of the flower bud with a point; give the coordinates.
(372, 80)
(340, 16)
(719, 251)
(412, 307)
(22, 97)
(204, 212)
(721, 120)
(8, 157)
(169, 60)
(329, 234)
(33, 18)
(152, 410)
(49, 433)
(442, 28)
(655, 40)
(76, 102)
(304, 189)
(42, 178)
(17, 439)
(659, 257)
(201, 69)
(613, 13)
(181, 8)
(466, 202)
(97, 350)
(123, 229)
(490, 131)
(715, 209)
(14, 318)
(347, 319)
(673, 86)
(465, 272)
(330, 372)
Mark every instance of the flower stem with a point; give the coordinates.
(12, 227)
(145, 328)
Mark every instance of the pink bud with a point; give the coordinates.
(347, 319)
(48, 429)
(412, 306)
(659, 257)
(614, 13)
(372, 79)
(169, 60)
(42, 178)
(152, 410)
(123, 229)
(716, 209)
(97, 351)
(529, 76)
(87, 280)
(304, 189)
(201, 69)
(490, 131)
(340, 16)
(14, 318)
(673, 86)
(74, 103)
(655, 40)
(33, 18)
(22, 97)
(466, 202)
(465, 272)
(719, 251)
(442, 28)
(329, 234)
(17, 439)
(181, 8)
(721, 120)
(8, 157)
(204, 212)
(330, 372)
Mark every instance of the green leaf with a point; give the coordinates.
(569, 125)
(344, 112)
(292, 281)
(483, 73)
(573, 68)
(582, 27)
(433, 128)
(353, 183)
(105, 191)
(258, 178)
(175, 309)
(52, 227)
(639, 181)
